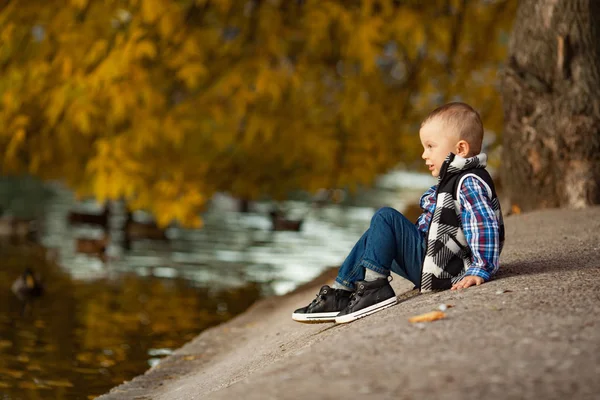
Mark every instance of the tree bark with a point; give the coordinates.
(551, 94)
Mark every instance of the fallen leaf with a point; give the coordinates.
(428, 317)
(23, 358)
(34, 367)
(65, 384)
(86, 370)
(12, 373)
(33, 385)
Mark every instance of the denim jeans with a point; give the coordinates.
(392, 242)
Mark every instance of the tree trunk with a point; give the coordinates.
(551, 93)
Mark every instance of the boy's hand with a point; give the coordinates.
(467, 281)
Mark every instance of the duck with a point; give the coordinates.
(143, 230)
(244, 206)
(281, 223)
(78, 217)
(27, 285)
(17, 228)
(324, 197)
(93, 247)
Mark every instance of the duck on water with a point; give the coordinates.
(27, 286)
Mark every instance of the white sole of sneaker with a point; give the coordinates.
(344, 319)
(315, 317)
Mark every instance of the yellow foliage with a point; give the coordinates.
(14, 143)
(20, 121)
(80, 4)
(152, 10)
(67, 68)
(145, 49)
(97, 50)
(163, 103)
(56, 105)
(6, 34)
(223, 6)
(10, 103)
(81, 120)
(167, 25)
(191, 74)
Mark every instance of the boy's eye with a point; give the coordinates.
(429, 146)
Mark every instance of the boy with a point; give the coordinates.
(455, 244)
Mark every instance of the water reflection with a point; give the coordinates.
(83, 337)
(105, 320)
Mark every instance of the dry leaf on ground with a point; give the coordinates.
(428, 317)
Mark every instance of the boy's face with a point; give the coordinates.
(438, 141)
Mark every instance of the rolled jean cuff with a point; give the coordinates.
(374, 267)
(345, 282)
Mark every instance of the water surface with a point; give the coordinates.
(100, 323)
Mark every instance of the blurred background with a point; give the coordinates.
(167, 163)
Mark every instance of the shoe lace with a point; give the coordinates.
(317, 299)
(354, 297)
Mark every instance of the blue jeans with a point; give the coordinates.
(393, 243)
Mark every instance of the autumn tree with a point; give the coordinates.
(165, 102)
(551, 94)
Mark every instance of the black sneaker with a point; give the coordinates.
(368, 298)
(328, 303)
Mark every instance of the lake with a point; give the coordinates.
(102, 322)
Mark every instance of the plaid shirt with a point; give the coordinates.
(478, 222)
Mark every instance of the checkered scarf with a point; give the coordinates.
(448, 255)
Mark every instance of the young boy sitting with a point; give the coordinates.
(455, 244)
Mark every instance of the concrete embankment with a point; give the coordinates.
(533, 332)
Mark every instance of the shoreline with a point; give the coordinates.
(530, 332)
(180, 362)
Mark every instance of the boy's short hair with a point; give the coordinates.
(464, 119)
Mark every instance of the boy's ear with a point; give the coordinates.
(462, 148)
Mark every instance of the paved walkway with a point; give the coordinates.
(531, 333)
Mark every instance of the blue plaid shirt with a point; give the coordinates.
(478, 221)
